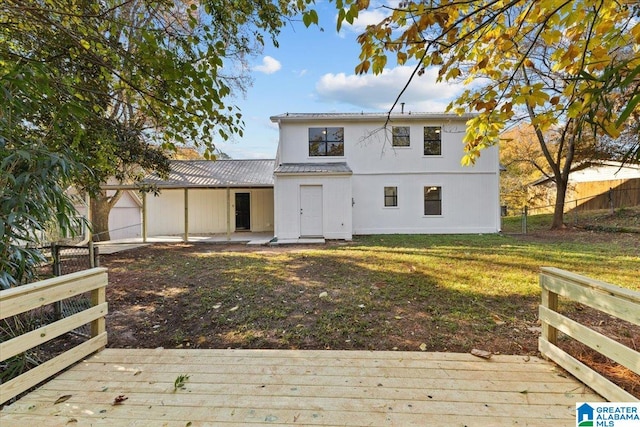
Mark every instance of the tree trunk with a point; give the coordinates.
(558, 211)
(101, 205)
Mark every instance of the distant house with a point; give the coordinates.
(339, 175)
(592, 185)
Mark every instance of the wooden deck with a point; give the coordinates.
(285, 387)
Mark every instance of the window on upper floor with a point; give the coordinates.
(433, 200)
(390, 196)
(401, 136)
(326, 142)
(432, 141)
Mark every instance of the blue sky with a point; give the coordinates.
(312, 72)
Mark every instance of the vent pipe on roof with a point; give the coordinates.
(402, 107)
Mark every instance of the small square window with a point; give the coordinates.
(401, 136)
(432, 141)
(433, 200)
(390, 196)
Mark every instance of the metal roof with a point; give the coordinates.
(218, 173)
(368, 116)
(313, 168)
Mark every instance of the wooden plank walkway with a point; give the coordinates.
(312, 388)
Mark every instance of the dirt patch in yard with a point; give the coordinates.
(297, 297)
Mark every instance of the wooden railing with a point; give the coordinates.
(23, 299)
(613, 300)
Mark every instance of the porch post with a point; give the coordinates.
(186, 215)
(144, 217)
(228, 214)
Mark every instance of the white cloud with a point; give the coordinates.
(269, 65)
(378, 92)
(365, 18)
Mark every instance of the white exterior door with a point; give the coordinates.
(311, 210)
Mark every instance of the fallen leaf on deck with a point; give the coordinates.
(63, 399)
(482, 353)
(119, 400)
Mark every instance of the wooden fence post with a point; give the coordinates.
(550, 301)
(98, 296)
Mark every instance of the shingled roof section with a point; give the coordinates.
(216, 174)
(314, 168)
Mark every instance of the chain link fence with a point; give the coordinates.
(70, 259)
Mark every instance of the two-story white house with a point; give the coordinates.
(339, 175)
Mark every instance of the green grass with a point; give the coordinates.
(621, 220)
(450, 292)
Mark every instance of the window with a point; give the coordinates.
(433, 200)
(326, 141)
(400, 136)
(390, 196)
(432, 141)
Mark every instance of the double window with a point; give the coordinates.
(401, 136)
(433, 200)
(432, 140)
(326, 142)
(390, 196)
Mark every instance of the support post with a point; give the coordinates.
(144, 217)
(228, 214)
(186, 215)
(550, 301)
(98, 296)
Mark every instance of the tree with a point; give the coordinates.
(105, 88)
(564, 65)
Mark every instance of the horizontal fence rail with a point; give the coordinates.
(616, 301)
(23, 299)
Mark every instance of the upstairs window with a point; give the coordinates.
(326, 142)
(432, 141)
(400, 136)
(390, 196)
(433, 200)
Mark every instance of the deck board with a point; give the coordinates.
(314, 388)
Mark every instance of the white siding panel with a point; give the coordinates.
(262, 210)
(469, 204)
(165, 213)
(207, 213)
(368, 148)
(125, 218)
(336, 199)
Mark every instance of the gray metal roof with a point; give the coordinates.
(368, 116)
(313, 168)
(218, 173)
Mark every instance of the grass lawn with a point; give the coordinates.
(439, 293)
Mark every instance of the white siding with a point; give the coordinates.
(468, 204)
(262, 209)
(125, 218)
(165, 213)
(368, 148)
(336, 200)
(470, 196)
(209, 211)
